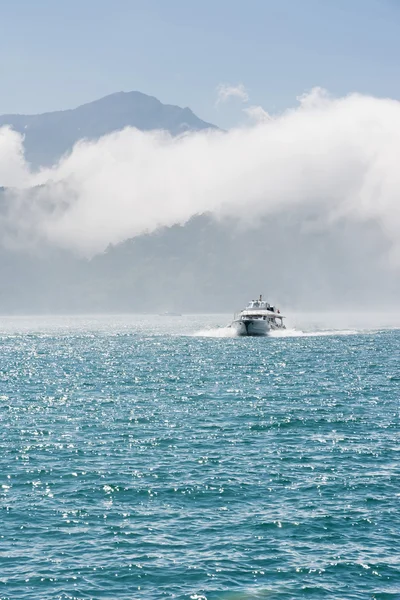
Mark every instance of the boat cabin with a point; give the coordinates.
(260, 309)
(259, 305)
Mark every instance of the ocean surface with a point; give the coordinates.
(157, 457)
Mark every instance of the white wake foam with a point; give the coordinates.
(229, 332)
(216, 332)
(285, 333)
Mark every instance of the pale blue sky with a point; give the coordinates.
(58, 54)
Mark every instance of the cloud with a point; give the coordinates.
(257, 113)
(315, 98)
(226, 91)
(338, 157)
(13, 168)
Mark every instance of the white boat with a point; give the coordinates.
(258, 318)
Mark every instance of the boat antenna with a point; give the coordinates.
(260, 297)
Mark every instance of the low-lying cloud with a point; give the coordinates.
(338, 157)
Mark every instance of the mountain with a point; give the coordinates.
(50, 135)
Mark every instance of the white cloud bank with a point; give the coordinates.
(13, 169)
(339, 155)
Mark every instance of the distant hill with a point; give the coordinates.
(206, 266)
(50, 135)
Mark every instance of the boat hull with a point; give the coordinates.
(251, 327)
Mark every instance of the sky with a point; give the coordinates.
(58, 55)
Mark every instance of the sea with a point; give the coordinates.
(151, 457)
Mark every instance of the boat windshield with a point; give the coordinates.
(258, 304)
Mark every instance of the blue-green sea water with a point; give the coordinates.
(138, 460)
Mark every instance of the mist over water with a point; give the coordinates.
(196, 325)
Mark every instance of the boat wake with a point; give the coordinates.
(217, 332)
(229, 332)
(288, 333)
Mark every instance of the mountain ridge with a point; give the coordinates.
(50, 135)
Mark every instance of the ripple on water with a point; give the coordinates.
(163, 466)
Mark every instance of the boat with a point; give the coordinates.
(169, 313)
(258, 318)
